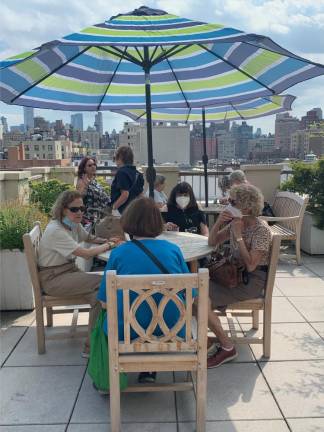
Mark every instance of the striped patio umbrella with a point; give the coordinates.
(149, 58)
(242, 110)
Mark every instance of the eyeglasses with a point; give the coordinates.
(76, 209)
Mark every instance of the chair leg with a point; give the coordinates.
(298, 255)
(255, 319)
(267, 332)
(49, 317)
(114, 401)
(40, 329)
(201, 393)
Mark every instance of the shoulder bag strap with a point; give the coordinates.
(151, 255)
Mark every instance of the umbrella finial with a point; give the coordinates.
(142, 11)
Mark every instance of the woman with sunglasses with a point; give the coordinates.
(94, 195)
(58, 249)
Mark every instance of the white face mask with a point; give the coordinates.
(182, 201)
(235, 212)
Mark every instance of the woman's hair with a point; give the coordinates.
(83, 163)
(125, 154)
(142, 218)
(182, 188)
(237, 176)
(159, 180)
(62, 202)
(249, 198)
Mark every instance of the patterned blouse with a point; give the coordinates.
(257, 237)
(95, 197)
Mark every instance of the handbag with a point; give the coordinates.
(98, 367)
(109, 226)
(225, 270)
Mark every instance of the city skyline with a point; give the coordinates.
(303, 36)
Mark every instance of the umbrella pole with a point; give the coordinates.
(150, 172)
(205, 157)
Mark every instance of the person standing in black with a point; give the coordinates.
(183, 212)
(128, 183)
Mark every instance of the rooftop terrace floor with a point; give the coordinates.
(53, 393)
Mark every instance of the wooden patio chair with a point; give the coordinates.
(289, 209)
(253, 307)
(164, 353)
(31, 243)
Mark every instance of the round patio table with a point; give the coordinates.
(193, 247)
(213, 211)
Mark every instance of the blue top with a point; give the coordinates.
(129, 259)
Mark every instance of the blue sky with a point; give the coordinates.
(297, 25)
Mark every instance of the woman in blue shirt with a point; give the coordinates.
(142, 221)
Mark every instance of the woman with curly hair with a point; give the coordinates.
(250, 243)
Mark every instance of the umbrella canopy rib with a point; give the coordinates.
(238, 113)
(177, 81)
(110, 81)
(51, 73)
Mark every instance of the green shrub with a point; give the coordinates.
(309, 179)
(15, 220)
(44, 194)
(103, 182)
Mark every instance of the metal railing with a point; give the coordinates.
(196, 180)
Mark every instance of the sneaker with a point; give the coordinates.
(220, 357)
(147, 377)
(101, 392)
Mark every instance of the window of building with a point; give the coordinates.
(36, 147)
(44, 156)
(27, 156)
(50, 147)
(50, 156)
(26, 147)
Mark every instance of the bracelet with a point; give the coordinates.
(239, 239)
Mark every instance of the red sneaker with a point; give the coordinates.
(220, 357)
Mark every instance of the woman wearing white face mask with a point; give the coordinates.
(58, 249)
(183, 211)
(250, 242)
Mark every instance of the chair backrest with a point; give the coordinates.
(274, 256)
(31, 243)
(287, 204)
(169, 285)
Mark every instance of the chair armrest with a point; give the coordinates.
(279, 218)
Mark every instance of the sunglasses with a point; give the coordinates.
(76, 209)
(91, 165)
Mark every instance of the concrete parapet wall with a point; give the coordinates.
(265, 177)
(14, 185)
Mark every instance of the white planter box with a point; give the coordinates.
(312, 238)
(16, 292)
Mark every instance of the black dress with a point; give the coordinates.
(129, 179)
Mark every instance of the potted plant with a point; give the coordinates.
(309, 179)
(16, 219)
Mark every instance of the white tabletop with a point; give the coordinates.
(193, 246)
(213, 208)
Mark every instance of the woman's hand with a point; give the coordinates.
(237, 226)
(224, 217)
(170, 226)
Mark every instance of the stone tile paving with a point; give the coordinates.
(53, 393)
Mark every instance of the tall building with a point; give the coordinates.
(90, 138)
(312, 116)
(261, 147)
(242, 133)
(98, 124)
(171, 142)
(28, 118)
(77, 122)
(285, 126)
(226, 147)
(4, 124)
(299, 143)
(41, 124)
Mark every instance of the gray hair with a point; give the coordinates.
(237, 176)
(62, 202)
(248, 198)
(159, 180)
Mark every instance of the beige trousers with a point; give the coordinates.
(68, 280)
